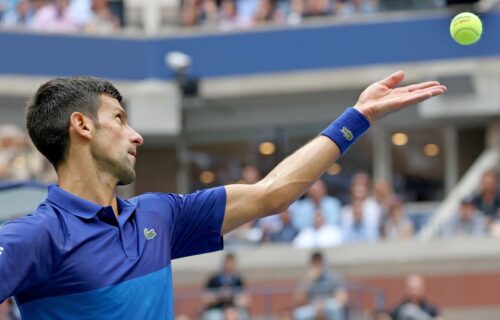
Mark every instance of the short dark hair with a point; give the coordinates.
(48, 112)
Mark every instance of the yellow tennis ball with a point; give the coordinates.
(466, 28)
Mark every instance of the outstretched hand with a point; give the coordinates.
(382, 97)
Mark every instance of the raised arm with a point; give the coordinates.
(294, 175)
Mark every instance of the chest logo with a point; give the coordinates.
(149, 234)
(1, 250)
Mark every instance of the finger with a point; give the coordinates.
(438, 89)
(422, 85)
(419, 96)
(394, 79)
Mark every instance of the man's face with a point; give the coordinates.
(115, 145)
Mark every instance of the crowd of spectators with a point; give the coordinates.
(94, 16)
(237, 14)
(479, 213)
(320, 220)
(321, 293)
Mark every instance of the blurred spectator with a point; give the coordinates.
(267, 12)
(317, 8)
(361, 191)
(349, 7)
(55, 17)
(355, 227)
(102, 19)
(197, 12)
(81, 11)
(414, 306)
(468, 222)
(320, 236)
(397, 226)
(225, 289)
(487, 200)
(316, 202)
(18, 158)
(321, 293)
(287, 232)
(228, 15)
(21, 16)
(7, 7)
(384, 194)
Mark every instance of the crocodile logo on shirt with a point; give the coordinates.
(347, 133)
(149, 234)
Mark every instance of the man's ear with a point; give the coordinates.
(81, 125)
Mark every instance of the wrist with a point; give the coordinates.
(368, 115)
(347, 128)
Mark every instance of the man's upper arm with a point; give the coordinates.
(25, 256)
(196, 221)
(245, 202)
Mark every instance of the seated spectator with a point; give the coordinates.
(360, 191)
(317, 8)
(321, 293)
(414, 305)
(55, 17)
(81, 11)
(316, 201)
(320, 236)
(355, 227)
(267, 12)
(225, 289)
(287, 232)
(350, 7)
(397, 226)
(228, 16)
(487, 200)
(102, 19)
(383, 195)
(21, 17)
(468, 222)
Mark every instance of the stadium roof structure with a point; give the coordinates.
(20, 198)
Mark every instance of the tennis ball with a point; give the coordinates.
(466, 28)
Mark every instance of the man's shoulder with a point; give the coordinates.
(43, 222)
(153, 198)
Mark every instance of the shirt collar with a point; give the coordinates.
(84, 208)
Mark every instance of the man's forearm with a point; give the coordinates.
(294, 175)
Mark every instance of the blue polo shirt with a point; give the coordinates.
(73, 259)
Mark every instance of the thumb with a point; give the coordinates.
(394, 79)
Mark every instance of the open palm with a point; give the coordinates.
(382, 97)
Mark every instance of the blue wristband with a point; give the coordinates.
(347, 128)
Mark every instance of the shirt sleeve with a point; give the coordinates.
(197, 222)
(25, 256)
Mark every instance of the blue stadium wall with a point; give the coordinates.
(246, 53)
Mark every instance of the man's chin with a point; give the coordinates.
(123, 181)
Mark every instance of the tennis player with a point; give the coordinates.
(85, 253)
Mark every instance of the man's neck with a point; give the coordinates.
(88, 183)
